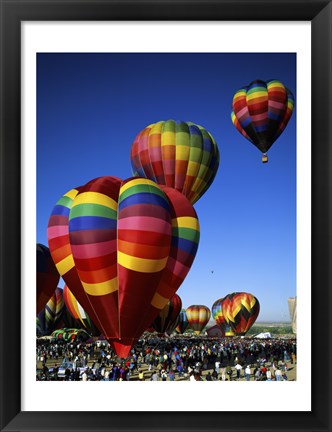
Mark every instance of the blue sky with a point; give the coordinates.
(90, 107)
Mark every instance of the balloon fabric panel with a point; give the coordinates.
(182, 323)
(167, 317)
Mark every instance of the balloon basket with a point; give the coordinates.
(265, 158)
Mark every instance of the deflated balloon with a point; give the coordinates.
(261, 112)
(181, 155)
(240, 310)
(47, 276)
(198, 316)
(48, 318)
(166, 321)
(123, 248)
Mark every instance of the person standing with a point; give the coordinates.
(247, 373)
(238, 368)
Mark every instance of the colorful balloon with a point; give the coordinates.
(78, 313)
(181, 155)
(51, 314)
(166, 321)
(240, 310)
(182, 322)
(261, 112)
(198, 316)
(123, 248)
(219, 318)
(47, 276)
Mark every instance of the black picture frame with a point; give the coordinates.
(13, 12)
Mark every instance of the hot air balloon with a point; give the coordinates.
(198, 316)
(181, 155)
(47, 276)
(166, 321)
(261, 112)
(123, 248)
(240, 310)
(48, 318)
(182, 322)
(78, 313)
(219, 318)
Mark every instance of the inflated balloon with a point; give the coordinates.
(78, 313)
(240, 310)
(182, 322)
(219, 318)
(181, 155)
(166, 321)
(261, 112)
(123, 248)
(198, 316)
(48, 318)
(47, 276)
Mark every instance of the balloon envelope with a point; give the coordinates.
(261, 112)
(181, 155)
(48, 317)
(123, 248)
(166, 321)
(182, 322)
(198, 316)
(240, 310)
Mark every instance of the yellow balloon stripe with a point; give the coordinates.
(71, 194)
(186, 222)
(100, 289)
(65, 265)
(258, 94)
(141, 265)
(137, 182)
(95, 198)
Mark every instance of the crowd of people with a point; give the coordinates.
(158, 359)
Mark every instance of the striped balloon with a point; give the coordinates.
(181, 155)
(48, 318)
(198, 316)
(77, 312)
(240, 310)
(125, 247)
(261, 112)
(219, 318)
(166, 321)
(182, 322)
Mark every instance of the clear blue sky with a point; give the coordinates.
(90, 107)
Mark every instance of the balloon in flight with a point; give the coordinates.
(178, 154)
(261, 112)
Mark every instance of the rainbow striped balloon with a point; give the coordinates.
(261, 112)
(181, 155)
(124, 248)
